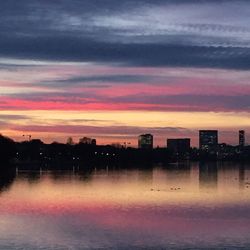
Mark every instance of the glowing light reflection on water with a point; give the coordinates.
(202, 206)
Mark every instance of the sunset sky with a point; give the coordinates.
(113, 69)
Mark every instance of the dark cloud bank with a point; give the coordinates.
(97, 31)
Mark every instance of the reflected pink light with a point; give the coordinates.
(167, 219)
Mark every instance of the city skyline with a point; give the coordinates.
(114, 70)
(205, 138)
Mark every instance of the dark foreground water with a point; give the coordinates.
(176, 207)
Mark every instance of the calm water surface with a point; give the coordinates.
(176, 207)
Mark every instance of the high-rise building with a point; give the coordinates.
(241, 138)
(180, 146)
(145, 141)
(208, 139)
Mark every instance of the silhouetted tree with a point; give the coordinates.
(7, 149)
(70, 141)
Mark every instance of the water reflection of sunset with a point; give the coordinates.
(50, 191)
(193, 205)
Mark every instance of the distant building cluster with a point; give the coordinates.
(208, 142)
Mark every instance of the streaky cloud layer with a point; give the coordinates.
(149, 33)
(177, 59)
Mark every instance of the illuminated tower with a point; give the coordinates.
(145, 141)
(241, 138)
(208, 139)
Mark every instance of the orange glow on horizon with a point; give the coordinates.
(121, 126)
